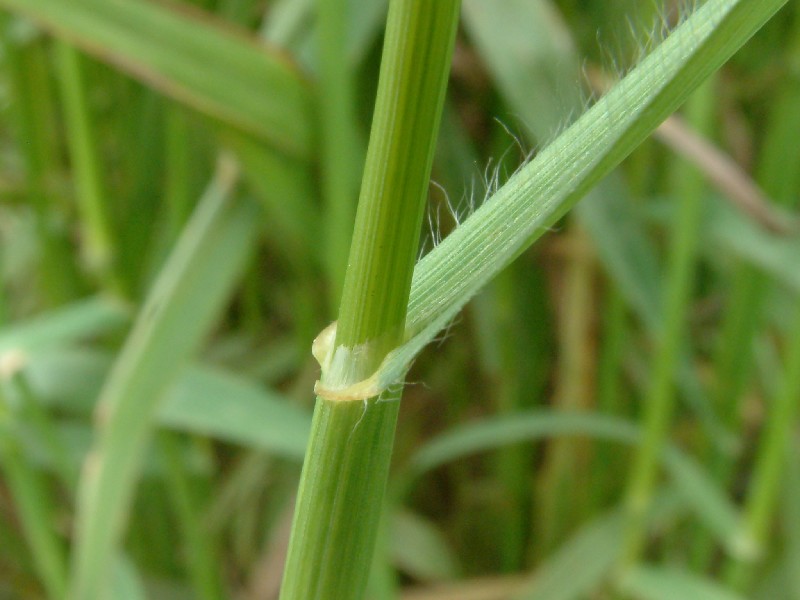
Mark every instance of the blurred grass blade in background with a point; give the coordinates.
(98, 249)
(206, 401)
(71, 323)
(581, 565)
(650, 583)
(186, 56)
(192, 287)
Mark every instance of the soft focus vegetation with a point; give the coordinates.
(614, 415)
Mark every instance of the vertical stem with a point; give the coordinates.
(565, 471)
(202, 560)
(610, 395)
(178, 184)
(515, 364)
(660, 398)
(29, 79)
(767, 476)
(417, 51)
(344, 476)
(779, 175)
(98, 249)
(32, 499)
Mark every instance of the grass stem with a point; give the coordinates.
(344, 476)
(659, 401)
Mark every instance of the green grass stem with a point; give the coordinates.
(611, 397)
(411, 91)
(779, 176)
(200, 549)
(32, 498)
(27, 65)
(733, 359)
(659, 400)
(564, 472)
(97, 236)
(344, 475)
(178, 197)
(768, 472)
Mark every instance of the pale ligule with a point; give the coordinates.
(323, 350)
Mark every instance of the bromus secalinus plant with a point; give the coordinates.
(179, 183)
